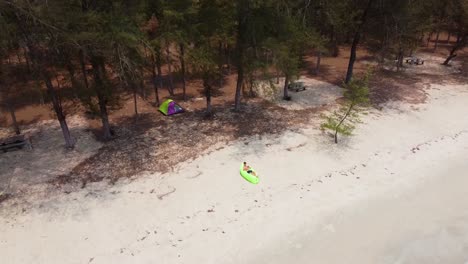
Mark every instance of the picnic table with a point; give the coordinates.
(14, 142)
(414, 60)
(297, 86)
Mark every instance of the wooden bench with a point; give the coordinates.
(15, 142)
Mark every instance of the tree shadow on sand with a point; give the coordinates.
(157, 143)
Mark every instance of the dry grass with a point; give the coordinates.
(388, 86)
(157, 143)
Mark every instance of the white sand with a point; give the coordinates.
(393, 193)
(316, 94)
(48, 159)
(432, 65)
(427, 223)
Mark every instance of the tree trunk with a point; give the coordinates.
(144, 94)
(357, 36)
(11, 109)
(18, 56)
(436, 40)
(135, 101)
(240, 42)
(38, 59)
(336, 50)
(460, 43)
(208, 102)
(228, 58)
(57, 80)
(304, 16)
(429, 37)
(352, 57)
(421, 38)
(56, 103)
(334, 43)
(220, 63)
(277, 75)
(106, 130)
(170, 88)
(71, 72)
(240, 81)
(251, 84)
(341, 122)
(154, 79)
(159, 68)
(26, 58)
(384, 46)
(98, 68)
(317, 65)
(132, 84)
(285, 88)
(399, 59)
(449, 58)
(182, 68)
(83, 68)
(243, 88)
(207, 87)
(448, 37)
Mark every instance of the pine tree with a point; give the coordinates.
(357, 96)
(41, 37)
(457, 18)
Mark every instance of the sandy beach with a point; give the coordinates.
(125, 128)
(395, 192)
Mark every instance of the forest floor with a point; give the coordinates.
(155, 143)
(394, 192)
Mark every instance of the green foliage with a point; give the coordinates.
(332, 122)
(357, 90)
(261, 35)
(204, 61)
(343, 120)
(89, 102)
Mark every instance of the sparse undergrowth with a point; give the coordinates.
(356, 96)
(156, 145)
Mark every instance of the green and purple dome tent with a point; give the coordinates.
(170, 107)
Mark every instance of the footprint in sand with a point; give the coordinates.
(195, 176)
